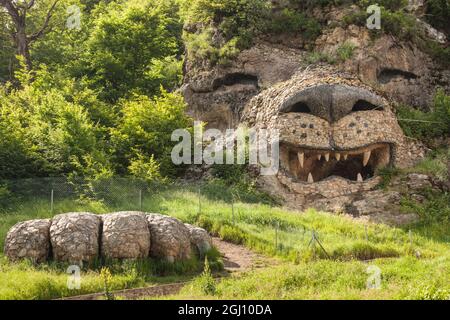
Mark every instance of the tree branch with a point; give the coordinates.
(12, 10)
(44, 27)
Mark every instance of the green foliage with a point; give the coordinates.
(243, 18)
(145, 169)
(438, 14)
(399, 24)
(131, 48)
(199, 45)
(45, 133)
(436, 207)
(145, 129)
(62, 118)
(427, 125)
(392, 5)
(387, 173)
(403, 278)
(238, 23)
(345, 51)
(430, 292)
(317, 57)
(435, 164)
(291, 21)
(343, 238)
(404, 26)
(205, 282)
(105, 274)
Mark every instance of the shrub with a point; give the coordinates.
(438, 14)
(436, 207)
(237, 23)
(317, 57)
(291, 21)
(206, 281)
(145, 129)
(345, 51)
(146, 169)
(127, 45)
(427, 125)
(435, 164)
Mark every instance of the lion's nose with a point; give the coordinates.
(332, 101)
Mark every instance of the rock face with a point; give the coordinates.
(125, 235)
(398, 70)
(335, 113)
(218, 95)
(170, 238)
(418, 181)
(200, 239)
(30, 240)
(75, 237)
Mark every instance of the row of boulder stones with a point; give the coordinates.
(83, 237)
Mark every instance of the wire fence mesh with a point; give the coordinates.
(217, 204)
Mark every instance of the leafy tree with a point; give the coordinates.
(19, 12)
(128, 46)
(44, 130)
(145, 129)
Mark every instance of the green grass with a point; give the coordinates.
(434, 210)
(404, 278)
(264, 228)
(345, 51)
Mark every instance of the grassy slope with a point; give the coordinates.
(305, 274)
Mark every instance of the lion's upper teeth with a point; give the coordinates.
(301, 158)
(327, 156)
(366, 158)
(345, 156)
(319, 156)
(338, 156)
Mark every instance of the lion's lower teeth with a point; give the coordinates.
(309, 165)
(359, 178)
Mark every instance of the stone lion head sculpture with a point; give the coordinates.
(337, 123)
(335, 133)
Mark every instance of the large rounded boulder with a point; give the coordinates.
(125, 235)
(75, 237)
(28, 240)
(170, 238)
(200, 239)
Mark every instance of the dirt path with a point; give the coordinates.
(236, 258)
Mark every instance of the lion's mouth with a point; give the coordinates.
(313, 165)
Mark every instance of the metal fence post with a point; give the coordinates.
(199, 200)
(140, 199)
(232, 211)
(410, 238)
(276, 236)
(51, 201)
